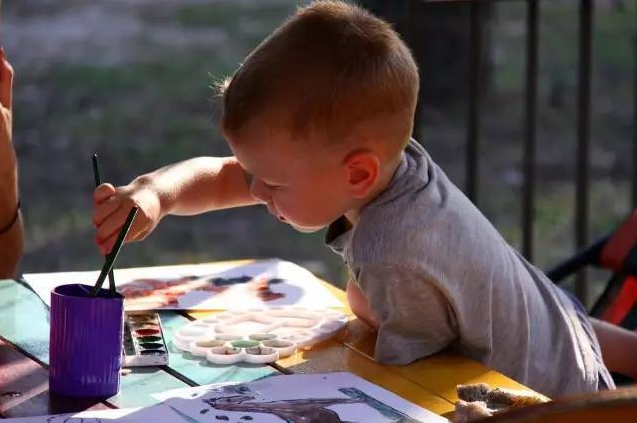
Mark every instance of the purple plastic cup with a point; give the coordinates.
(85, 352)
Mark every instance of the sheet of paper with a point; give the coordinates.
(210, 286)
(308, 398)
(318, 398)
(97, 416)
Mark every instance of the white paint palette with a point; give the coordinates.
(257, 336)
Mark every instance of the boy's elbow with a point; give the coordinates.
(360, 306)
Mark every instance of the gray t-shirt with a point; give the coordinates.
(438, 274)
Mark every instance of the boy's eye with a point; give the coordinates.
(271, 186)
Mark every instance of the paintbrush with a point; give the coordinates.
(110, 258)
(111, 276)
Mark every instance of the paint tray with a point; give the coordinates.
(257, 335)
(144, 342)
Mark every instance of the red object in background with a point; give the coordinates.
(618, 303)
(623, 303)
(623, 240)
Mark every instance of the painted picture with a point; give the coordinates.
(318, 398)
(214, 286)
(310, 410)
(156, 293)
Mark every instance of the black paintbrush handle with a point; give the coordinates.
(110, 258)
(96, 175)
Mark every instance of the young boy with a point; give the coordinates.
(319, 118)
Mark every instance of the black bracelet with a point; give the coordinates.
(13, 220)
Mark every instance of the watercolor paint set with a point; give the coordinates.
(144, 342)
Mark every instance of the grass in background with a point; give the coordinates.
(145, 113)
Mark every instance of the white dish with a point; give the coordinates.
(258, 335)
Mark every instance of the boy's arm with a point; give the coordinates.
(413, 317)
(619, 347)
(185, 188)
(199, 185)
(360, 306)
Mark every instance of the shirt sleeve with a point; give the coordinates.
(415, 318)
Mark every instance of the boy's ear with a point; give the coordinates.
(363, 169)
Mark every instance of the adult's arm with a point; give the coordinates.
(11, 233)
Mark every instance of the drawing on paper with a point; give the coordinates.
(319, 398)
(310, 410)
(210, 286)
(165, 293)
(313, 398)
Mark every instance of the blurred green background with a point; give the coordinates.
(131, 80)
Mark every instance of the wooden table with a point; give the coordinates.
(24, 345)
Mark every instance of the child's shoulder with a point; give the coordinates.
(423, 223)
(422, 214)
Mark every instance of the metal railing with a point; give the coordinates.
(583, 131)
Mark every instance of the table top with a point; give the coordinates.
(24, 344)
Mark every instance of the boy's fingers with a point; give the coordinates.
(105, 209)
(106, 246)
(102, 193)
(6, 81)
(111, 226)
(138, 236)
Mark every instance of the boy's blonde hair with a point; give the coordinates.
(329, 68)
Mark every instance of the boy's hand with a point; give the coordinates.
(7, 154)
(112, 205)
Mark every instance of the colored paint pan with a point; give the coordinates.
(149, 338)
(151, 345)
(144, 340)
(146, 332)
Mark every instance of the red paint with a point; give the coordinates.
(146, 332)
